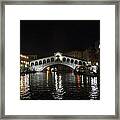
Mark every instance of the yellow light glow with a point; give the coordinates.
(47, 75)
(48, 68)
(96, 63)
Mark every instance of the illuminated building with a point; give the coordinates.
(90, 55)
(24, 62)
(75, 54)
(33, 57)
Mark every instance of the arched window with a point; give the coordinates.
(84, 63)
(80, 62)
(44, 61)
(72, 60)
(32, 64)
(57, 60)
(68, 60)
(36, 63)
(76, 62)
(52, 59)
(40, 62)
(64, 59)
(48, 60)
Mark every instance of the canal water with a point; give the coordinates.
(58, 86)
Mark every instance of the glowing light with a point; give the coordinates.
(96, 63)
(23, 56)
(99, 46)
(48, 68)
(89, 63)
(21, 61)
(47, 75)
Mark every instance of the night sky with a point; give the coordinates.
(45, 37)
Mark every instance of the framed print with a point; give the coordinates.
(60, 60)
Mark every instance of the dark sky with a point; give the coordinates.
(44, 37)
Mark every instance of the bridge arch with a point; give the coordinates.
(49, 65)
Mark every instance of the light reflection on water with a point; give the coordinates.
(63, 86)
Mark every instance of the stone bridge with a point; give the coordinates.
(58, 58)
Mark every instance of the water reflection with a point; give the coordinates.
(24, 87)
(59, 90)
(51, 85)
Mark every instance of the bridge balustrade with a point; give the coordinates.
(45, 62)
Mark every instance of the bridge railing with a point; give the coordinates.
(40, 64)
(53, 59)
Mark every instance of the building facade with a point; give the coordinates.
(89, 55)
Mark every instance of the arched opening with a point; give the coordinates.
(36, 63)
(32, 64)
(59, 68)
(72, 60)
(58, 56)
(44, 61)
(80, 62)
(52, 59)
(48, 60)
(57, 60)
(84, 63)
(76, 62)
(64, 59)
(68, 60)
(40, 62)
